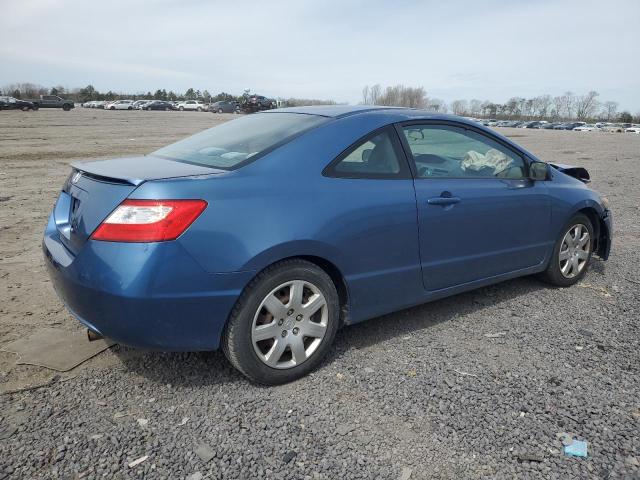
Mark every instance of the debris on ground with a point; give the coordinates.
(577, 448)
(406, 473)
(290, 455)
(205, 452)
(495, 335)
(138, 461)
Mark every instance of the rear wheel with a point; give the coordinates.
(181, 109)
(219, 110)
(572, 253)
(283, 324)
(66, 107)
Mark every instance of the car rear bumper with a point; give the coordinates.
(150, 295)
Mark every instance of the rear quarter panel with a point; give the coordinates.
(281, 206)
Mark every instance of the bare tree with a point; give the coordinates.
(371, 95)
(475, 107)
(609, 110)
(436, 105)
(459, 107)
(586, 105)
(541, 106)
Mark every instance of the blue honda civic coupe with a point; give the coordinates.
(267, 233)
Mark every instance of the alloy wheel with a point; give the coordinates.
(574, 251)
(290, 324)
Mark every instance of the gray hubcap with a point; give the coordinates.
(574, 251)
(290, 324)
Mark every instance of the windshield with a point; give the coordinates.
(231, 143)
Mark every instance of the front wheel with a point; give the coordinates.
(66, 108)
(572, 253)
(283, 323)
(219, 110)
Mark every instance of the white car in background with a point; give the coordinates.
(138, 104)
(589, 127)
(195, 105)
(120, 105)
(633, 129)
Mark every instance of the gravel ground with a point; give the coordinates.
(478, 385)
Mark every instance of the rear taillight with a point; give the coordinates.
(149, 220)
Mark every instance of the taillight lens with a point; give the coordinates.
(149, 220)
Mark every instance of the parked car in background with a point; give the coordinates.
(533, 124)
(52, 101)
(224, 106)
(192, 105)
(633, 129)
(568, 125)
(152, 251)
(549, 126)
(121, 105)
(589, 127)
(11, 103)
(613, 128)
(137, 105)
(158, 105)
(257, 103)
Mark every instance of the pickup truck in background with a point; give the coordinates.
(52, 101)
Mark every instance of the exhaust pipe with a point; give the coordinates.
(93, 336)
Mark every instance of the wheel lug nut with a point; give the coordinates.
(290, 312)
(280, 322)
(299, 317)
(295, 331)
(284, 333)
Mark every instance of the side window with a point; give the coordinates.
(378, 156)
(443, 151)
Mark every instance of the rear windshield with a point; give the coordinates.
(228, 145)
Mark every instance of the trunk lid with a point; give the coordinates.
(95, 189)
(135, 170)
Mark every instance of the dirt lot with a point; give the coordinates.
(423, 391)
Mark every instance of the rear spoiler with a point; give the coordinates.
(580, 173)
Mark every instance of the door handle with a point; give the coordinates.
(443, 201)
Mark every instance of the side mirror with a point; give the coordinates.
(366, 154)
(538, 171)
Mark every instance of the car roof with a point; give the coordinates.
(397, 114)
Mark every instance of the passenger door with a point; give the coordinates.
(479, 215)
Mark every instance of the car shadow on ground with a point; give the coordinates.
(185, 369)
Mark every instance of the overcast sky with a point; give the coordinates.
(327, 49)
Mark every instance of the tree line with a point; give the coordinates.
(568, 106)
(89, 93)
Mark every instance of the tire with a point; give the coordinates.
(166, 109)
(249, 357)
(199, 109)
(181, 109)
(66, 107)
(35, 106)
(220, 110)
(554, 272)
(129, 108)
